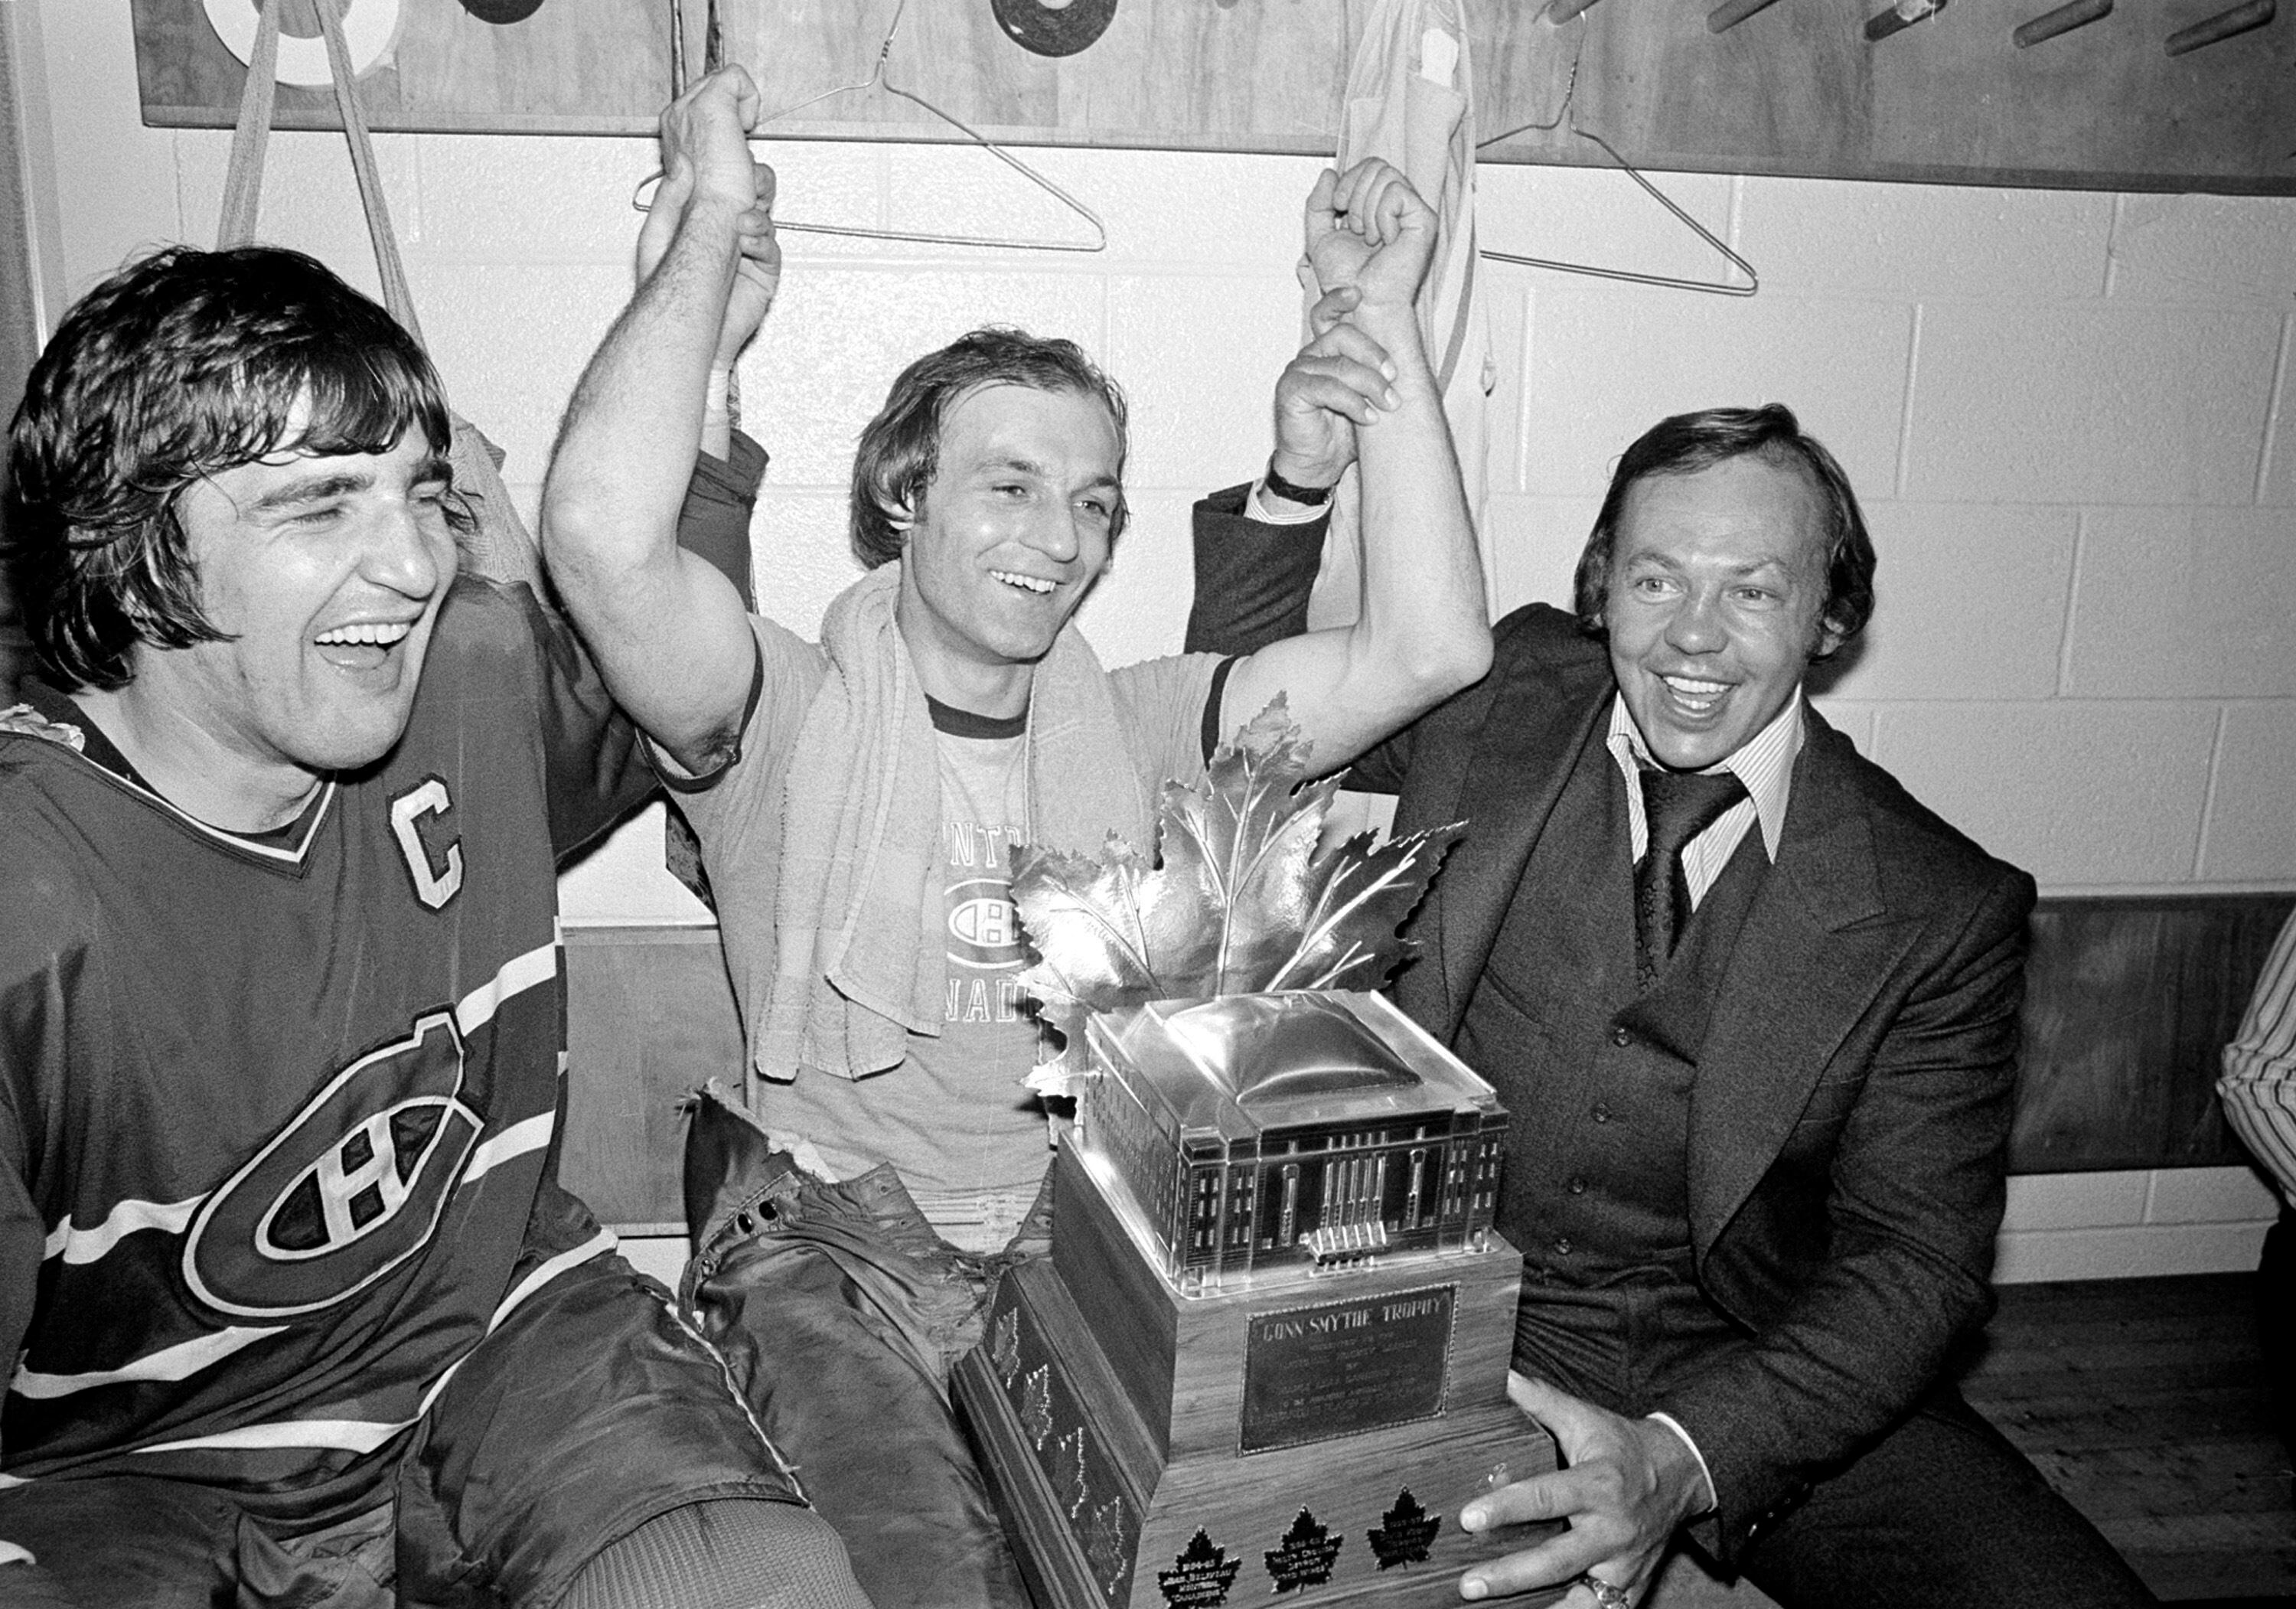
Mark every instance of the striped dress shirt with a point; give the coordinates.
(1764, 764)
(2258, 1085)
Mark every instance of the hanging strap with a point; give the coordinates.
(243, 181)
(499, 545)
(242, 184)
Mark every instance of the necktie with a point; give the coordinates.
(1678, 806)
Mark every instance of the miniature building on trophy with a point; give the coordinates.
(1253, 1131)
(1269, 1353)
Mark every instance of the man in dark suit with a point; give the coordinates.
(1753, 1011)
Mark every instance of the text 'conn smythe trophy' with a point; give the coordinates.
(1269, 1354)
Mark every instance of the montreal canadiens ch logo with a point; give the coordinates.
(351, 1187)
(984, 930)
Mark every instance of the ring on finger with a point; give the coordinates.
(1608, 1594)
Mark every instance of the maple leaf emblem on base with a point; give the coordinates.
(1200, 1577)
(1305, 1556)
(1406, 1534)
(1242, 902)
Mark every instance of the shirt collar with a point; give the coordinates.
(1765, 762)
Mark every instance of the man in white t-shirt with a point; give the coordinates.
(857, 800)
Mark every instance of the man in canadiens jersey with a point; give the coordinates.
(296, 1310)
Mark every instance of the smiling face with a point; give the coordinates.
(326, 573)
(1012, 531)
(1715, 604)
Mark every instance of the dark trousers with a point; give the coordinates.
(1942, 1512)
(2275, 1309)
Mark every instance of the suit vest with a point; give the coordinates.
(1595, 1075)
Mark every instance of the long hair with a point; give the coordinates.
(900, 449)
(1687, 443)
(179, 366)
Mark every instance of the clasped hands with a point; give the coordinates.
(1625, 1486)
(710, 180)
(1370, 240)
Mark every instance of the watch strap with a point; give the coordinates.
(1291, 492)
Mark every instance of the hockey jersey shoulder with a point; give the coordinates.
(46, 793)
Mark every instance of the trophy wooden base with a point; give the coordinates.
(1312, 1437)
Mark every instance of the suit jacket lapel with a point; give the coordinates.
(1816, 947)
(1506, 787)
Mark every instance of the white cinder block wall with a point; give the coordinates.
(2070, 416)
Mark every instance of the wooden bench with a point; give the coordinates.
(2128, 1001)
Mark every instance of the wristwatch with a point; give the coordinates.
(1277, 485)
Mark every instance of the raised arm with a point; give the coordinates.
(1425, 630)
(668, 630)
(1254, 576)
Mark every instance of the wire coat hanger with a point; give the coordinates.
(1632, 276)
(878, 80)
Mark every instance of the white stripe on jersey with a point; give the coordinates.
(518, 974)
(178, 1362)
(85, 1245)
(365, 1435)
(597, 1245)
(536, 966)
(351, 1435)
(511, 1143)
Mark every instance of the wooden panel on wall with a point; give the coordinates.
(1794, 89)
(1798, 90)
(650, 1017)
(2127, 1003)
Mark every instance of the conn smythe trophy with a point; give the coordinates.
(1268, 1354)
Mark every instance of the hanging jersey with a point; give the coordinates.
(278, 1115)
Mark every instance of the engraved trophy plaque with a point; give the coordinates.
(1267, 1356)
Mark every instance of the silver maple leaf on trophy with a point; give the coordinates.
(1242, 902)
